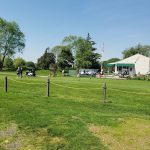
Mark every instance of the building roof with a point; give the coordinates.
(130, 61)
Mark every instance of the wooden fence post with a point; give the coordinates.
(104, 88)
(6, 84)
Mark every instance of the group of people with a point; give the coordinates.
(28, 72)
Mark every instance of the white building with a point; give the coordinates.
(136, 64)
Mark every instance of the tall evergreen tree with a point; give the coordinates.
(94, 56)
(90, 41)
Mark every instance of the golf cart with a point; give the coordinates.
(30, 72)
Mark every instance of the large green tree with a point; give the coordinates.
(12, 40)
(57, 50)
(141, 49)
(83, 50)
(71, 41)
(65, 58)
(83, 54)
(46, 59)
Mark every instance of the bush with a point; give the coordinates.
(142, 77)
(8, 63)
(30, 64)
(19, 62)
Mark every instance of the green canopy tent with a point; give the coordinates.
(122, 66)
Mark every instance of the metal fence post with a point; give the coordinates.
(104, 88)
(6, 84)
(48, 87)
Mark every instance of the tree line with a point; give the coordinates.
(74, 51)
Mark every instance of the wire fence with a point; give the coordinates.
(138, 93)
(73, 87)
(45, 88)
(27, 82)
(21, 86)
(102, 93)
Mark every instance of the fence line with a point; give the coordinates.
(138, 93)
(27, 82)
(76, 81)
(47, 91)
(128, 92)
(10, 74)
(99, 88)
(72, 87)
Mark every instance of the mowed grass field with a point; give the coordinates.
(74, 117)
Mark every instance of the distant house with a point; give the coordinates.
(136, 64)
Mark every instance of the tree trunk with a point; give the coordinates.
(2, 62)
(1, 65)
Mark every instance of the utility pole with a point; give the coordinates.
(102, 58)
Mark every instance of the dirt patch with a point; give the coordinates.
(12, 138)
(57, 140)
(132, 134)
(9, 137)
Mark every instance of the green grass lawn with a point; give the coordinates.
(74, 117)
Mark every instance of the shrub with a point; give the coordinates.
(30, 64)
(19, 62)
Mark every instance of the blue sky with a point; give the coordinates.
(120, 24)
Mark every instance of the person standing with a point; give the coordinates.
(21, 72)
(63, 72)
(18, 72)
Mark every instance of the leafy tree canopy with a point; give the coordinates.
(141, 49)
(30, 64)
(83, 50)
(12, 40)
(57, 50)
(8, 63)
(111, 60)
(46, 59)
(65, 59)
(19, 62)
